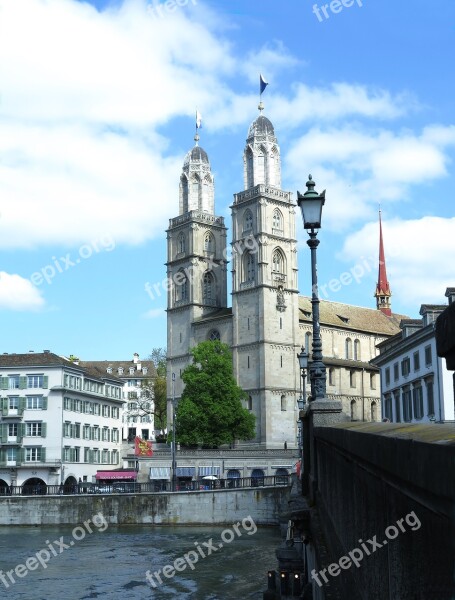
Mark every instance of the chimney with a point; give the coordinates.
(135, 358)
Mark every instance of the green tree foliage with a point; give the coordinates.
(155, 387)
(210, 411)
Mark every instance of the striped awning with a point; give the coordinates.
(186, 471)
(204, 471)
(160, 473)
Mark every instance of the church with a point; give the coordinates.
(268, 321)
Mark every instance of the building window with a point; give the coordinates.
(34, 402)
(416, 361)
(208, 288)
(430, 397)
(357, 350)
(35, 381)
(277, 220)
(33, 454)
(407, 405)
(12, 429)
(405, 366)
(396, 396)
(209, 244)
(388, 411)
(387, 376)
(250, 403)
(248, 361)
(372, 381)
(331, 376)
(250, 267)
(214, 335)
(396, 373)
(417, 398)
(277, 262)
(181, 244)
(248, 221)
(428, 359)
(374, 416)
(352, 378)
(353, 410)
(13, 402)
(348, 348)
(283, 402)
(11, 454)
(13, 382)
(33, 429)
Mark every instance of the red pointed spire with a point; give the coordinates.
(383, 292)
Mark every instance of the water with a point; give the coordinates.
(111, 564)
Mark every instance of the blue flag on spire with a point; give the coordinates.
(262, 83)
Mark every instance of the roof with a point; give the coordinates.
(349, 364)
(346, 316)
(450, 291)
(49, 359)
(261, 126)
(216, 314)
(432, 307)
(196, 154)
(101, 366)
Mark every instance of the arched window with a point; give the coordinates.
(283, 402)
(248, 221)
(209, 243)
(181, 287)
(208, 288)
(374, 416)
(184, 197)
(250, 403)
(261, 165)
(250, 267)
(277, 220)
(181, 243)
(353, 410)
(348, 348)
(352, 378)
(249, 169)
(356, 349)
(277, 262)
(331, 376)
(195, 185)
(214, 335)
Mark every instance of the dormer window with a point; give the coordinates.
(131, 370)
(109, 370)
(120, 370)
(144, 370)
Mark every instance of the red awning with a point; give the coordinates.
(116, 475)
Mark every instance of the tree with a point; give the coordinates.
(210, 411)
(155, 388)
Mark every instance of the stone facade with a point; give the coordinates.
(268, 322)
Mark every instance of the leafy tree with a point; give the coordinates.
(210, 411)
(155, 388)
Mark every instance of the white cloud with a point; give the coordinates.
(361, 167)
(419, 256)
(17, 293)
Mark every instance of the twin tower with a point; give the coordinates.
(262, 326)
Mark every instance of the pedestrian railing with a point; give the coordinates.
(152, 487)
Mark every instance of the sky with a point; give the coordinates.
(97, 105)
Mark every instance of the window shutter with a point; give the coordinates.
(20, 456)
(23, 383)
(43, 454)
(45, 403)
(21, 428)
(22, 404)
(3, 457)
(4, 383)
(45, 382)
(4, 406)
(4, 432)
(43, 429)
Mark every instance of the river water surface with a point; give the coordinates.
(111, 564)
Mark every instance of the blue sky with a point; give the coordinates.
(97, 103)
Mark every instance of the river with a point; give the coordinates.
(110, 563)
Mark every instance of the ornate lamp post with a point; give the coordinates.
(311, 203)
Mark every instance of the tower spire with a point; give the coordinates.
(383, 293)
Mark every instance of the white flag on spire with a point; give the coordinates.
(198, 120)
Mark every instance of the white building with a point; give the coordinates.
(416, 385)
(137, 413)
(60, 421)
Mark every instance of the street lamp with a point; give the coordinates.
(311, 203)
(174, 462)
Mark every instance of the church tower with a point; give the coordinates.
(264, 289)
(382, 293)
(196, 262)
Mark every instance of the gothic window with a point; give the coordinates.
(250, 403)
(261, 166)
(181, 287)
(250, 267)
(277, 262)
(352, 378)
(374, 416)
(331, 376)
(209, 244)
(248, 221)
(348, 348)
(274, 167)
(208, 291)
(195, 184)
(249, 169)
(283, 402)
(181, 243)
(184, 198)
(353, 410)
(214, 335)
(277, 220)
(206, 193)
(356, 349)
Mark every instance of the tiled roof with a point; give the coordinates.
(217, 314)
(432, 307)
(349, 364)
(346, 316)
(101, 366)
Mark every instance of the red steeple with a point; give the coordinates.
(383, 292)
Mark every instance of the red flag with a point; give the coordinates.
(142, 447)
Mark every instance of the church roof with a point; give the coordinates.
(261, 126)
(196, 154)
(346, 316)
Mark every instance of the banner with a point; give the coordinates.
(142, 447)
